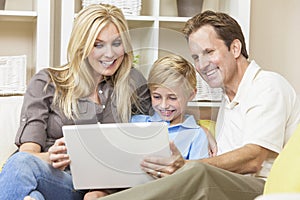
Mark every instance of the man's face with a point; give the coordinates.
(213, 61)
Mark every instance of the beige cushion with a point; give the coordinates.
(10, 109)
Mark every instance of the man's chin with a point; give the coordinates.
(214, 84)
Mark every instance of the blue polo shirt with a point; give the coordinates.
(188, 136)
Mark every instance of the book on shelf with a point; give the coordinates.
(206, 93)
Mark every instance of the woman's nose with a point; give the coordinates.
(109, 53)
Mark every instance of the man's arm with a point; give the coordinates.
(247, 159)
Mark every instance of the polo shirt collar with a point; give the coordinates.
(250, 74)
(189, 121)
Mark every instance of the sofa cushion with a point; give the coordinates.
(284, 176)
(10, 107)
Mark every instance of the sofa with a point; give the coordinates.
(10, 109)
(284, 179)
(282, 183)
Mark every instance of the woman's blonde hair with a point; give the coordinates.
(74, 80)
(173, 71)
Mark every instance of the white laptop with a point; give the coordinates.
(109, 155)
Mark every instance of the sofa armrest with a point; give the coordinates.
(10, 109)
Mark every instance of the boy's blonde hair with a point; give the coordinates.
(74, 80)
(173, 71)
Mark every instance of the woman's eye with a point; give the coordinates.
(117, 44)
(98, 45)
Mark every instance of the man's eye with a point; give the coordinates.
(209, 51)
(195, 58)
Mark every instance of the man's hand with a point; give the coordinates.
(159, 167)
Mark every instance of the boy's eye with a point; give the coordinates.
(173, 98)
(155, 96)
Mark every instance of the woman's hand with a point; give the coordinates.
(28, 198)
(92, 195)
(159, 167)
(58, 154)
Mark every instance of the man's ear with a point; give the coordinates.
(236, 48)
(193, 94)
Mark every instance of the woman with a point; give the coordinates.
(98, 84)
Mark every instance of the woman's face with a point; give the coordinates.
(108, 52)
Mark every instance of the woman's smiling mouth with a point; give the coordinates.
(107, 63)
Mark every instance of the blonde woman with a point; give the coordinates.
(98, 84)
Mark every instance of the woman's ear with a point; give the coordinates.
(236, 48)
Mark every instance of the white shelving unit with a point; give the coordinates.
(157, 30)
(25, 30)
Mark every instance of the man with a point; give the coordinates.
(258, 114)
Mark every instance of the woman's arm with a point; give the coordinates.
(35, 149)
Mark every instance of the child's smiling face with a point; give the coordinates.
(170, 104)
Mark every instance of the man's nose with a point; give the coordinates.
(203, 62)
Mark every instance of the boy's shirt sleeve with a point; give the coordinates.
(199, 146)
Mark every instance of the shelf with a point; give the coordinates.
(25, 30)
(27, 16)
(173, 19)
(139, 18)
(204, 104)
(11, 93)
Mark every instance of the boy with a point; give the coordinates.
(172, 83)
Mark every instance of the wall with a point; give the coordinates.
(274, 37)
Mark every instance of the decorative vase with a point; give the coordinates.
(2, 4)
(189, 8)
